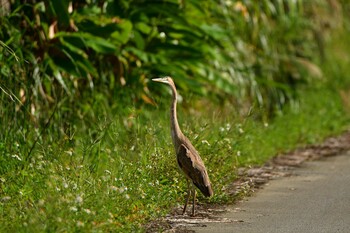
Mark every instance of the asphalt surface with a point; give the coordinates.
(315, 199)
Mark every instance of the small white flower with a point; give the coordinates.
(6, 198)
(162, 35)
(121, 190)
(79, 199)
(73, 208)
(80, 224)
(16, 157)
(41, 202)
(238, 153)
(205, 142)
(88, 211)
(69, 152)
(127, 197)
(113, 188)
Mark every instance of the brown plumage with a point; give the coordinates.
(188, 158)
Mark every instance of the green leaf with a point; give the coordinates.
(73, 48)
(59, 78)
(139, 41)
(78, 65)
(98, 44)
(60, 10)
(57, 75)
(143, 56)
(86, 66)
(124, 33)
(143, 27)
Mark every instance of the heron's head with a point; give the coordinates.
(168, 80)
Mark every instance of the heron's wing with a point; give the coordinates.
(193, 167)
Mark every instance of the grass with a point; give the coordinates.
(121, 172)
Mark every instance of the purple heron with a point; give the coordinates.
(188, 158)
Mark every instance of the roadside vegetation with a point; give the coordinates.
(85, 138)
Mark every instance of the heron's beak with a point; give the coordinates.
(161, 80)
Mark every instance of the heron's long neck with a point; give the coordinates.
(175, 128)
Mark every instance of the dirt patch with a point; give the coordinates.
(248, 181)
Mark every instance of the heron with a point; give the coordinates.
(187, 156)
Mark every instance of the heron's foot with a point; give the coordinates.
(192, 212)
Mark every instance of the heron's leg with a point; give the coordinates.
(194, 199)
(188, 196)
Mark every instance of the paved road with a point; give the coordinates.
(316, 200)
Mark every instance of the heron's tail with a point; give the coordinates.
(206, 190)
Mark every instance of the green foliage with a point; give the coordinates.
(251, 52)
